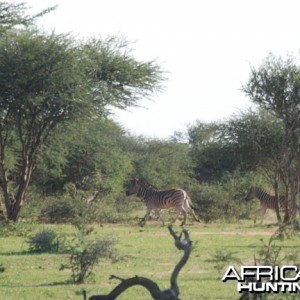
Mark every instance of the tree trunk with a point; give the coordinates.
(276, 187)
(290, 209)
(14, 203)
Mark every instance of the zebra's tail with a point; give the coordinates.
(189, 202)
(191, 207)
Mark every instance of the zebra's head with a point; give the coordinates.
(251, 194)
(135, 187)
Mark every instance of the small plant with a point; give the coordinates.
(86, 253)
(82, 262)
(222, 257)
(269, 254)
(43, 241)
(288, 230)
(2, 269)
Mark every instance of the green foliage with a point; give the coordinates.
(258, 139)
(272, 252)
(96, 159)
(211, 155)
(163, 163)
(222, 258)
(250, 141)
(2, 268)
(59, 210)
(115, 76)
(213, 203)
(210, 201)
(288, 230)
(43, 241)
(71, 206)
(13, 15)
(275, 86)
(19, 228)
(50, 80)
(86, 253)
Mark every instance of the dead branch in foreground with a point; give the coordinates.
(170, 294)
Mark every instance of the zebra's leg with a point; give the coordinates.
(184, 217)
(194, 215)
(146, 217)
(279, 220)
(257, 213)
(262, 212)
(188, 208)
(160, 217)
(176, 216)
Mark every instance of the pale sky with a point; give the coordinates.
(207, 48)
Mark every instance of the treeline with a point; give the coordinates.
(63, 158)
(215, 162)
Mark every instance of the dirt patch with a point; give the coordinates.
(244, 233)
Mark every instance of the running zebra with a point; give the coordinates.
(266, 202)
(157, 200)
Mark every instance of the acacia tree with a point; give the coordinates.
(212, 155)
(258, 138)
(275, 85)
(14, 14)
(258, 143)
(46, 80)
(162, 163)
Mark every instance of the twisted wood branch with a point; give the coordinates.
(172, 293)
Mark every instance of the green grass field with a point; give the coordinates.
(147, 252)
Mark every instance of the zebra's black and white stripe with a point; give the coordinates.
(267, 201)
(157, 200)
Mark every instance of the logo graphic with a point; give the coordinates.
(264, 279)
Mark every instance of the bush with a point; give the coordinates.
(86, 253)
(43, 241)
(216, 202)
(2, 268)
(19, 228)
(59, 210)
(223, 257)
(82, 262)
(68, 207)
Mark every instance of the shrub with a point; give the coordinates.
(19, 228)
(83, 261)
(72, 207)
(59, 210)
(2, 268)
(43, 241)
(86, 253)
(222, 257)
(219, 201)
(211, 202)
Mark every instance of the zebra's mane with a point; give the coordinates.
(261, 190)
(146, 184)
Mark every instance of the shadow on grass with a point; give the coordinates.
(51, 284)
(29, 253)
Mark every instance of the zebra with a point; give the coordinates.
(267, 201)
(157, 200)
